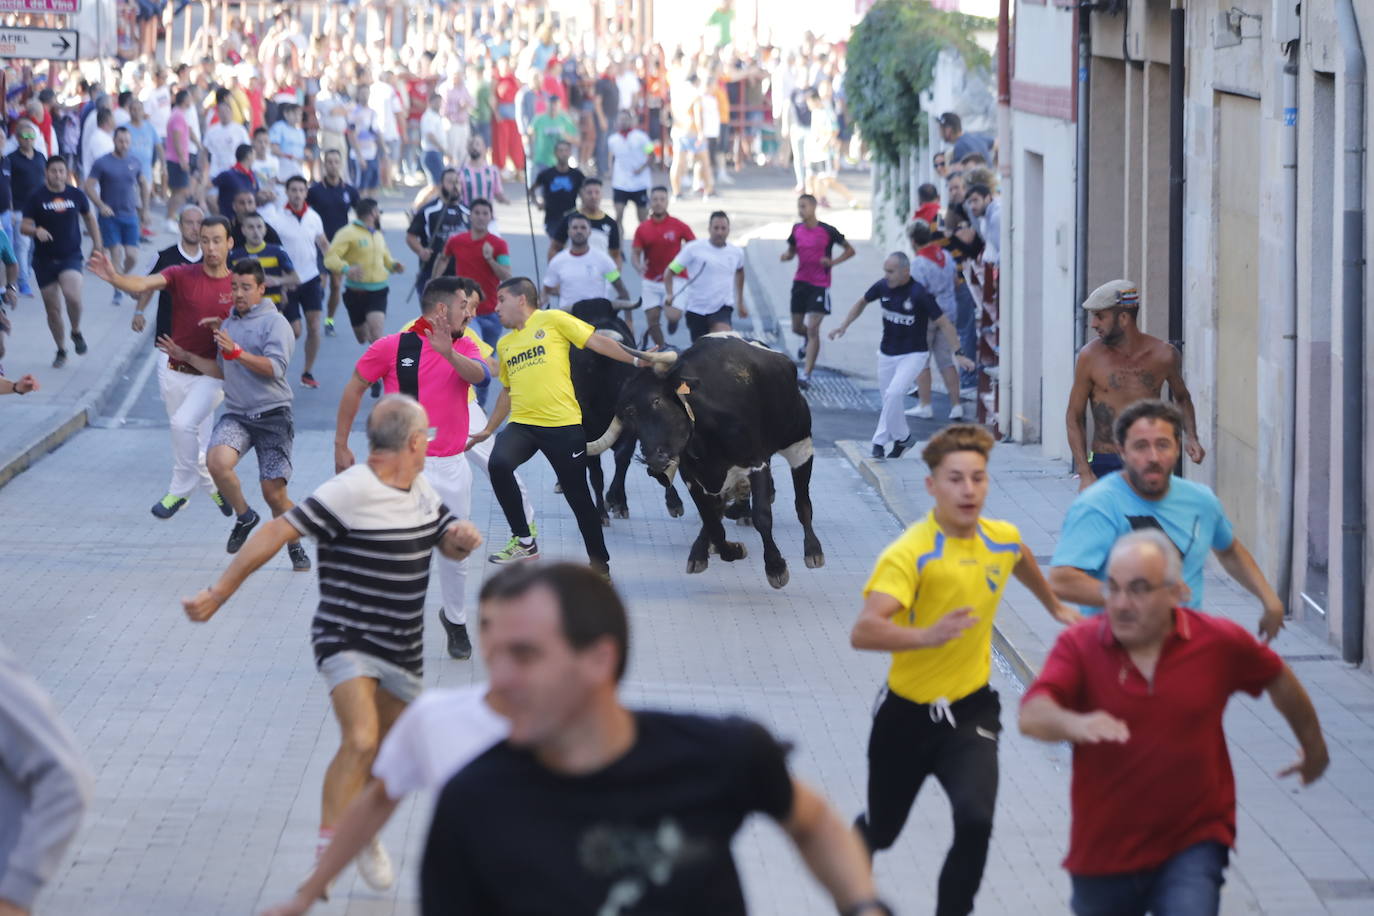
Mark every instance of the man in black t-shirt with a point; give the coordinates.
(52, 216)
(556, 188)
(26, 165)
(605, 230)
(434, 223)
(908, 310)
(332, 198)
(589, 807)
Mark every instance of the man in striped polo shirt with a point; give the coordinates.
(478, 178)
(377, 525)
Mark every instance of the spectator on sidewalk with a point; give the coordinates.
(1121, 366)
(45, 787)
(1147, 494)
(812, 242)
(934, 268)
(952, 132)
(1141, 694)
(986, 208)
(556, 641)
(254, 347)
(928, 198)
(52, 217)
(908, 310)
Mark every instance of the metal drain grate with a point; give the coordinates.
(833, 391)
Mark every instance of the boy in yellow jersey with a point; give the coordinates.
(544, 414)
(930, 602)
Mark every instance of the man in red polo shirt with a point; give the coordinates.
(657, 241)
(1140, 693)
(482, 256)
(201, 295)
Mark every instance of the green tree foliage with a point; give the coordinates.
(891, 61)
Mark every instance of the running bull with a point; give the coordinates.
(717, 413)
(598, 382)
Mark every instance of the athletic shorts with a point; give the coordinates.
(807, 297)
(369, 174)
(684, 142)
(1103, 463)
(46, 272)
(270, 434)
(348, 664)
(820, 169)
(308, 297)
(360, 302)
(652, 293)
(638, 198)
(120, 230)
(177, 178)
(940, 350)
(698, 325)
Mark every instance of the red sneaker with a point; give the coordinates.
(308, 380)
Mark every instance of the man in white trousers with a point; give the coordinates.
(908, 312)
(434, 363)
(200, 297)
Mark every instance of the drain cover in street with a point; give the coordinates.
(833, 391)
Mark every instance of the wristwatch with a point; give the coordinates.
(959, 352)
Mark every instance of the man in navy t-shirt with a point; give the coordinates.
(1146, 494)
(908, 311)
(52, 216)
(332, 198)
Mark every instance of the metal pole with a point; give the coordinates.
(1177, 56)
(1084, 156)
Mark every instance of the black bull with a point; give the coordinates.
(717, 414)
(597, 382)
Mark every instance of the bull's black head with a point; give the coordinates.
(659, 411)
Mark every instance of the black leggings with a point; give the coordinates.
(905, 746)
(566, 449)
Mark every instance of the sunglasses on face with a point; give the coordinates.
(28, 136)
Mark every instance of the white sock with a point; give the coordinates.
(525, 542)
(458, 617)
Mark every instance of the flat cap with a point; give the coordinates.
(1113, 294)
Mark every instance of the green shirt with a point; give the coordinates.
(481, 102)
(548, 130)
(723, 19)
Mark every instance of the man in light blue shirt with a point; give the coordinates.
(1146, 494)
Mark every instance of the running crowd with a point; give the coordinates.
(528, 765)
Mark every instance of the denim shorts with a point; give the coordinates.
(350, 663)
(270, 434)
(120, 230)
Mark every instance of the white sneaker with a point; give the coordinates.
(375, 866)
(956, 412)
(921, 411)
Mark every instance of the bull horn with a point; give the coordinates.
(607, 439)
(661, 362)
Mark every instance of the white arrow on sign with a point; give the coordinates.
(40, 6)
(39, 44)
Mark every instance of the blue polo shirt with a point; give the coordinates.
(334, 203)
(1190, 515)
(231, 183)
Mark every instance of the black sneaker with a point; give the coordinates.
(459, 646)
(242, 528)
(376, 389)
(601, 569)
(222, 504)
(300, 561)
(79, 343)
(168, 505)
(901, 446)
(878, 452)
(60, 359)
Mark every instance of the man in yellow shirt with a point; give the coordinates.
(930, 602)
(544, 414)
(359, 252)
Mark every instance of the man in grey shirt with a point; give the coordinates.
(255, 344)
(44, 788)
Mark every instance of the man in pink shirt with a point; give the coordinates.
(436, 368)
(812, 242)
(179, 155)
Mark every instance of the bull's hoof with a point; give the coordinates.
(744, 522)
(621, 511)
(605, 521)
(676, 510)
(732, 551)
(779, 579)
(815, 560)
(696, 566)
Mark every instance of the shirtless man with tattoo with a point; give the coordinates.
(1122, 366)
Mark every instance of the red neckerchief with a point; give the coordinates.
(626, 132)
(298, 214)
(933, 252)
(248, 172)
